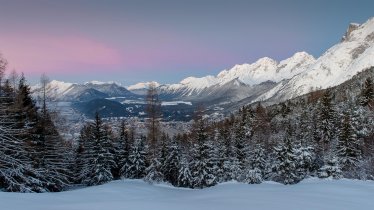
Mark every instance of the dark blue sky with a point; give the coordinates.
(132, 41)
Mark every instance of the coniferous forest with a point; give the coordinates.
(327, 134)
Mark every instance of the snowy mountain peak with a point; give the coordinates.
(295, 64)
(142, 85)
(199, 83)
(94, 82)
(59, 87)
(266, 61)
(351, 27)
(337, 65)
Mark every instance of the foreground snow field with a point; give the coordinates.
(135, 194)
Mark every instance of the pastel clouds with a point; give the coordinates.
(37, 53)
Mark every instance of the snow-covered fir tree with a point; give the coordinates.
(171, 164)
(347, 150)
(285, 164)
(306, 161)
(137, 160)
(241, 143)
(326, 122)
(103, 161)
(203, 162)
(154, 172)
(367, 94)
(258, 160)
(123, 148)
(185, 178)
(16, 169)
(331, 169)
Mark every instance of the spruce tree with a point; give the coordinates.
(286, 160)
(16, 169)
(185, 178)
(137, 160)
(171, 164)
(331, 169)
(258, 160)
(241, 143)
(348, 152)
(367, 92)
(326, 121)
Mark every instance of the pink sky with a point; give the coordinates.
(37, 53)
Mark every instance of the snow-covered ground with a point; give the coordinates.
(135, 194)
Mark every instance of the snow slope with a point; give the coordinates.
(137, 195)
(338, 64)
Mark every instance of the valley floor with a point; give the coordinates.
(138, 195)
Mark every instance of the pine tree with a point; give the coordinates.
(348, 152)
(252, 176)
(326, 121)
(185, 178)
(220, 152)
(122, 149)
(54, 151)
(286, 161)
(203, 162)
(127, 138)
(16, 170)
(85, 155)
(202, 166)
(331, 169)
(367, 93)
(258, 160)
(99, 159)
(137, 160)
(171, 164)
(306, 161)
(231, 165)
(154, 171)
(241, 143)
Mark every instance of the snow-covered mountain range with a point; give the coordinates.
(262, 70)
(264, 80)
(64, 91)
(338, 64)
(295, 76)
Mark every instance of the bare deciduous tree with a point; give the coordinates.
(44, 80)
(3, 66)
(153, 110)
(13, 78)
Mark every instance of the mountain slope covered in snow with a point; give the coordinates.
(295, 76)
(64, 91)
(340, 63)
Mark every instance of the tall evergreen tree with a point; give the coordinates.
(286, 160)
(348, 152)
(104, 159)
(137, 160)
(16, 169)
(185, 178)
(171, 164)
(326, 121)
(367, 93)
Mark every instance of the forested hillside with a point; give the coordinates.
(327, 134)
